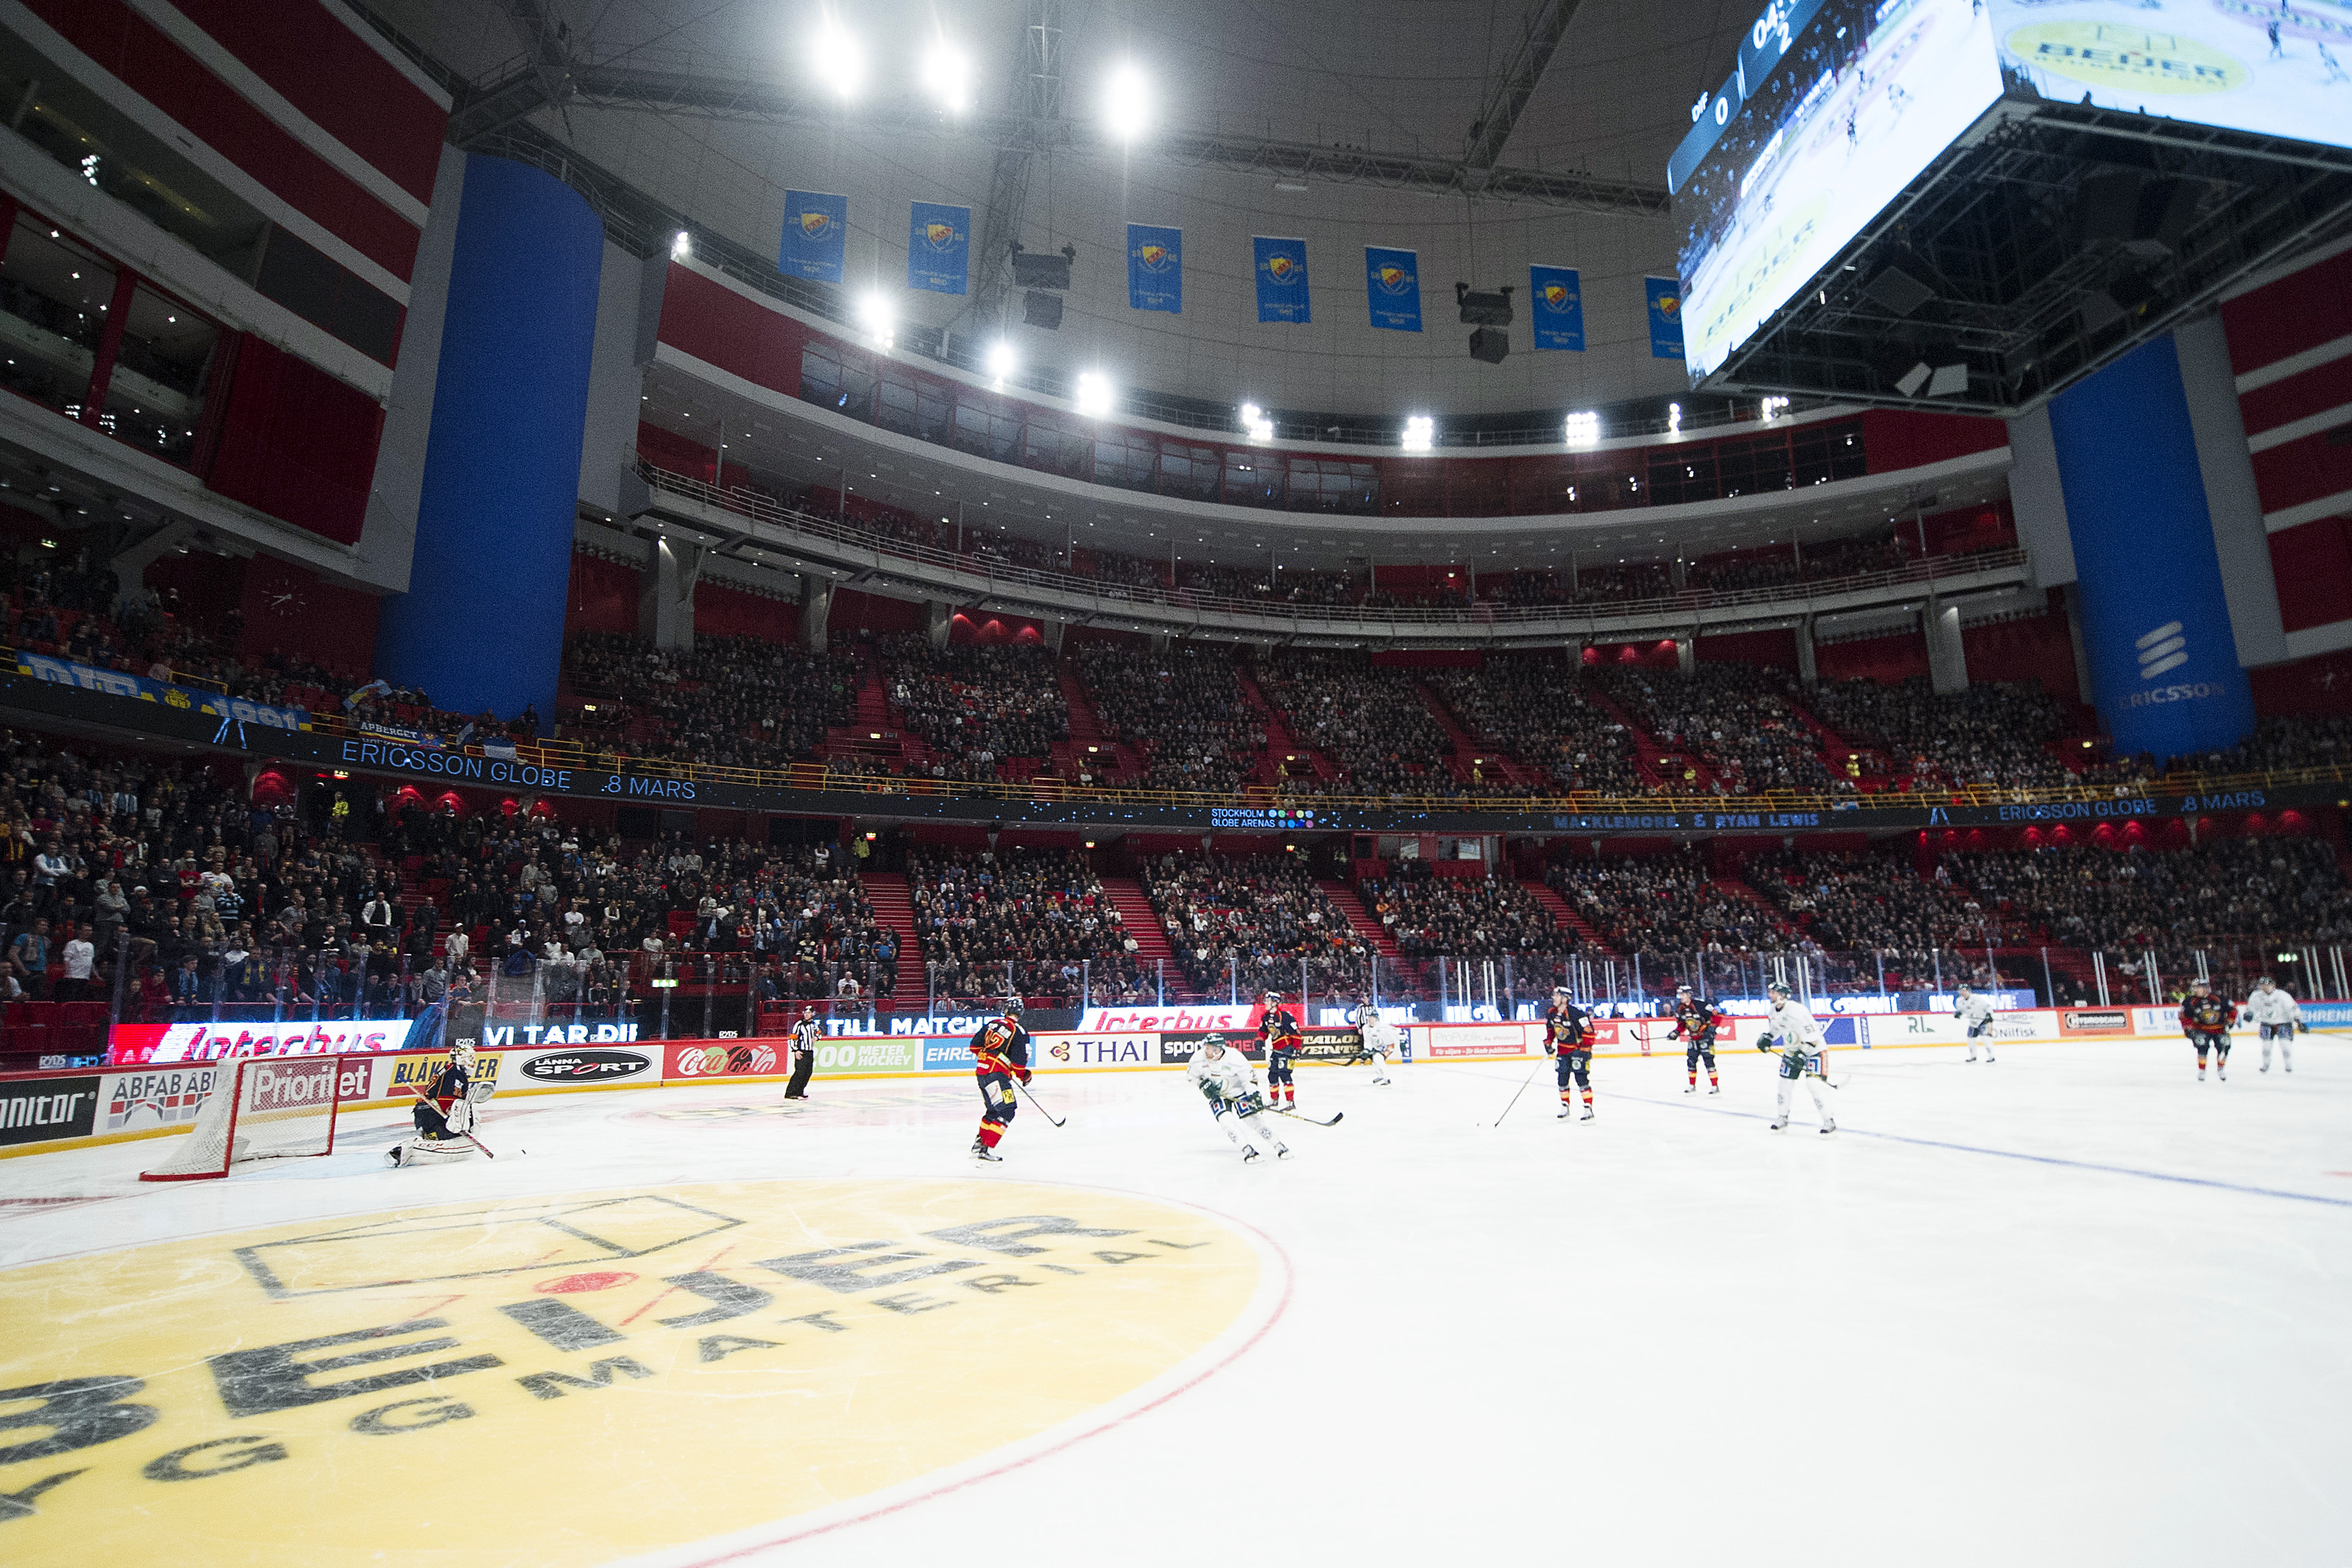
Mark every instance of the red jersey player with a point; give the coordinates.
(2205, 1019)
(1278, 1033)
(1000, 1058)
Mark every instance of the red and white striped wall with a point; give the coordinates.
(2291, 349)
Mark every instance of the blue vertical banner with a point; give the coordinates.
(1155, 268)
(1559, 307)
(2156, 621)
(938, 248)
(1281, 269)
(1665, 316)
(1392, 284)
(816, 227)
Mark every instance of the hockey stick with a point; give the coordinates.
(1337, 1116)
(1056, 1121)
(466, 1136)
(1522, 1090)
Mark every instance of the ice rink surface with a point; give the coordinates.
(2072, 1308)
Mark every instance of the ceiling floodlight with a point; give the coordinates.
(1255, 423)
(837, 59)
(1673, 418)
(1774, 408)
(681, 245)
(1584, 430)
(947, 76)
(1094, 396)
(879, 318)
(1001, 362)
(1420, 433)
(1127, 102)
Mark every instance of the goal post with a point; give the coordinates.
(264, 1108)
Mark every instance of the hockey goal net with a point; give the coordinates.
(264, 1108)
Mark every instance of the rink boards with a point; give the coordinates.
(51, 1111)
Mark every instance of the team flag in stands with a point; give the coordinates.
(938, 248)
(1392, 282)
(1665, 316)
(1281, 268)
(815, 227)
(1559, 307)
(1155, 268)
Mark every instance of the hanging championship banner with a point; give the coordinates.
(1393, 285)
(1665, 316)
(938, 248)
(816, 226)
(1155, 268)
(1281, 269)
(1559, 307)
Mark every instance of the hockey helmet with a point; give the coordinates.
(1013, 1006)
(1274, 998)
(1561, 991)
(1777, 988)
(2266, 983)
(461, 1054)
(1213, 1048)
(2200, 983)
(1682, 990)
(1966, 988)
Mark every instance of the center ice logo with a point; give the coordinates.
(611, 1358)
(2161, 649)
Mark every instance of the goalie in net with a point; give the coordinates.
(262, 1108)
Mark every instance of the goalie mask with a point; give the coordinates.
(461, 1056)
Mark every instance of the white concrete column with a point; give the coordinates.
(1808, 669)
(1948, 659)
(665, 594)
(816, 611)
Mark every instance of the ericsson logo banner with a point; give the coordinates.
(2156, 622)
(2162, 649)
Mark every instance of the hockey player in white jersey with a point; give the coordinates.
(1379, 1040)
(1225, 1077)
(2272, 1008)
(1797, 1034)
(1975, 1011)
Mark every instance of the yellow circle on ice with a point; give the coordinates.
(573, 1380)
(2101, 54)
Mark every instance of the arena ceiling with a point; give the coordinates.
(1483, 134)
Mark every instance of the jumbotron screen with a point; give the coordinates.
(1836, 106)
(2244, 65)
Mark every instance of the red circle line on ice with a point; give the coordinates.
(573, 1283)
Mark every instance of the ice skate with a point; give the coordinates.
(1692, 1089)
(1378, 1081)
(2222, 1075)
(1588, 1114)
(1563, 1114)
(1249, 1155)
(1714, 1089)
(1828, 1127)
(1779, 1122)
(980, 1150)
(1282, 1150)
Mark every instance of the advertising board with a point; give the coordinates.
(34, 1110)
(1443, 1042)
(141, 1045)
(1176, 1048)
(1082, 1050)
(692, 1059)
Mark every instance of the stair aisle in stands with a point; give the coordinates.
(1142, 923)
(894, 906)
(1563, 915)
(1469, 752)
(1648, 753)
(1108, 758)
(1362, 923)
(1280, 742)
